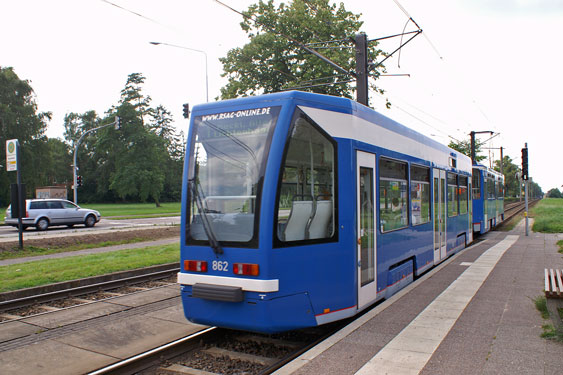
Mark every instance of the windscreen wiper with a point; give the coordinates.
(213, 242)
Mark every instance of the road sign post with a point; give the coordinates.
(13, 164)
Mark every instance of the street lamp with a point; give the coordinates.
(195, 50)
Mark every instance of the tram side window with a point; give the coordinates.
(393, 195)
(306, 196)
(420, 195)
(452, 195)
(476, 182)
(463, 197)
(490, 188)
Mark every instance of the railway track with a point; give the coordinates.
(513, 209)
(215, 351)
(53, 297)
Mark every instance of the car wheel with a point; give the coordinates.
(42, 224)
(90, 221)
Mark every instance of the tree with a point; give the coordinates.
(139, 156)
(554, 193)
(465, 148)
(273, 60)
(511, 172)
(20, 120)
(161, 125)
(132, 94)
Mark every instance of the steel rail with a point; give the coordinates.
(148, 358)
(70, 292)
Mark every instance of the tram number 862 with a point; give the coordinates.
(218, 265)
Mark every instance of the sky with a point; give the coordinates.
(479, 65)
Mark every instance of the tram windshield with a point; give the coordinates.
(227, 160)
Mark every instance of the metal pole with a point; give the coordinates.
(526, 210)
(21, 200)
(472, 135)
(74, 187)
(362, 91)
(526, 195)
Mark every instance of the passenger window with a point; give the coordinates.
(54, 205)
(306, 194)
(490, 188)
(69, 206)
(420, 195)
(476, 182)
(452, 195)
(463, 197)
(393, 197)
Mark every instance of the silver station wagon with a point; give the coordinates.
(43, 213)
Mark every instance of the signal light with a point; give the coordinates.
(195, 265)
(246, 269)
(186, 110)
(79, 181)
(525, 163)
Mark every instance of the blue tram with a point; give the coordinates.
(488, 198)
(300, 209)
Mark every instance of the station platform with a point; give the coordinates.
(473, 314)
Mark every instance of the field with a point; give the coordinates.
(548, 216)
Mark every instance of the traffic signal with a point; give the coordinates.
(78, 181)
(117, 123)
(525, 164)
(186, 110)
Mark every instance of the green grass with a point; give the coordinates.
(549, 331)
(32, 251)
(548, 216)
(560, 244)
(541, 305)
(30, 274)
(135, 209)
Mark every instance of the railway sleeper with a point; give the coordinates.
(177, 369)
(8, 316)
(234, 356)
(269, 341)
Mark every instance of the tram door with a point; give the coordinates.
(366, 219)
(439, 215)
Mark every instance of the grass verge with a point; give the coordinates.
(560, 244)
(510, 224)
(135, 209)
(549, 331)
(26, 275)
(548, 216)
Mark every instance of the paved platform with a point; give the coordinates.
(82, 339)
(473, 314)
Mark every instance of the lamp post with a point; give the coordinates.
(195, 50)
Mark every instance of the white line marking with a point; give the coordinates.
(467, 264)
(410, 350)
(312, 353)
